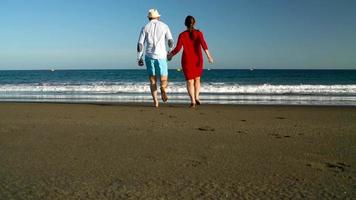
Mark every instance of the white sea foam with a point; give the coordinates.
(179, 87)
(220, 93)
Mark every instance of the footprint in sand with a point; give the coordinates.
(317, 166)
(195, 162)
(334, 167)
(206, 129)
(276, 135)
(337, 167)
(279, 136)
(192, 163)
(243, 120)
(241, 132)
(280, 118)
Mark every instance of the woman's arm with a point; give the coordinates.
(205, 47)
(210, 58)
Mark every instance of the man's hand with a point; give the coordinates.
(140, 62)
(169, 56)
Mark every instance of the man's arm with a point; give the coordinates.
(169, 39)
(140, 46)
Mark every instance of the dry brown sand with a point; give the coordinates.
(82, 151)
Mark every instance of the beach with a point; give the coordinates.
(134, 151)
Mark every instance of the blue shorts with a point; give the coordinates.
(156, 66)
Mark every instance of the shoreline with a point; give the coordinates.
(134, 151)
(185, 104)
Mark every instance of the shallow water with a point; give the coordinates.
(292, 87)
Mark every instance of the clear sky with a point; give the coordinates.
(102, 34)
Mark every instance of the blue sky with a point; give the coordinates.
(102, 34)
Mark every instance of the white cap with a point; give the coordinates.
(153, 13)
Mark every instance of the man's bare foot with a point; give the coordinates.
(164, 94)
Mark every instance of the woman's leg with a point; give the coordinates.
(191, 92)
(197, 90)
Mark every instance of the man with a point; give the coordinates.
(154, 36)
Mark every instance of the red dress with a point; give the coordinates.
(192, 58)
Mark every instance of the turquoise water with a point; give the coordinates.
(296, 87)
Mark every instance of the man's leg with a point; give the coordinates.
(150, 65)
(153, 87)
(164, 83)
(162, 67)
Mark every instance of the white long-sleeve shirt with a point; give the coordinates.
(154, 36)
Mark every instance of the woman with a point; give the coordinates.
(192, 40)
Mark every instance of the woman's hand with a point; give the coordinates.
(210, 59)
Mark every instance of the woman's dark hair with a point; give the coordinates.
(189, 23)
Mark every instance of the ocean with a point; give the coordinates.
(276, 87)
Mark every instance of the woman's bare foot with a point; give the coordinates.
(192, 105)
(197, 102)
(156, 104)
(164, 94)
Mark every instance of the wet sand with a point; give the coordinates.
(84, 151)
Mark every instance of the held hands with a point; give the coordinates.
(169, 56)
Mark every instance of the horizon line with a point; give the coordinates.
(143, 68)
